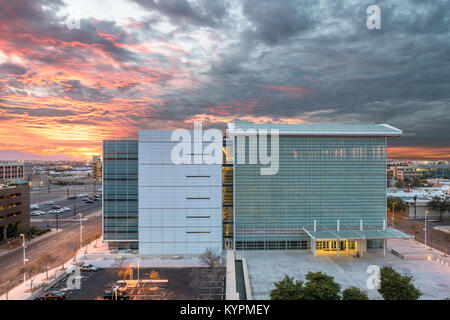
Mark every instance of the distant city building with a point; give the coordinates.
(417, 200)
(423, 171)
(96, 167)
(11, 170)
(14, 208)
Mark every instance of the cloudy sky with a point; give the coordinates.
(73, 73)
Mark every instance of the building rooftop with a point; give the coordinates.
(333, 129)
(18, 181)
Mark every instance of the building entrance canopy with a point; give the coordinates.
(325, 233)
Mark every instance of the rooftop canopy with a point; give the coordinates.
(319, 129)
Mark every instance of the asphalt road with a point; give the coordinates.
(63, 244)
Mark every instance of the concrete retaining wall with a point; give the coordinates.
(231, 292)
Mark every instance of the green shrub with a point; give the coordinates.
(320, 286)
(394, 286)
(354, 293)
(287, 289)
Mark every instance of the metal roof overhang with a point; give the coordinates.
(354, 234)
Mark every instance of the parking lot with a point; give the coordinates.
(57, 195)
(169, 284)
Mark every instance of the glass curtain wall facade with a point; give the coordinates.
(322, 178)
(120, 193)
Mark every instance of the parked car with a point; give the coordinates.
(56, 207)
(49, 203)
(88, 268)
(64, 209)
(35, 213)
(34, 206)
(89, 201)
(53, 295)
(71, 197)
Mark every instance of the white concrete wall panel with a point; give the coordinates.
(180, 206)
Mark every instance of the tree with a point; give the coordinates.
(96, 237)
(154, 275)
(46, 260)
(399, 184)
(125, 272)
(9, 284)
(417, 227)
(86, 242)
(61, 262)
(287, 289)
(320, 286)
(441, 204)
(394, 286)
(31, 271)
(396, 204)
(354, 293)
(210, 258)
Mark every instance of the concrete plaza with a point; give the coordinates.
(267, 267)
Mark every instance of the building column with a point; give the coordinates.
(314, 247)
(360, 248)
(338, 244)
(384, 248)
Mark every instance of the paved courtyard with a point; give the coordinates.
(267, 267)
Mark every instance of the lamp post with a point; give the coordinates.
(138, 263)
(24, 259)
(426, 212)
(81, 230)
(393, 215)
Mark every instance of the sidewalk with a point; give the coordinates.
(21, 292)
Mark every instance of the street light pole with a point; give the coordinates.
(81, 231)
(138, 263)
(426, 212)
(75, 207)
(24, 259)
(393, 215)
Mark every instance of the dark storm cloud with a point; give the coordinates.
(200, 12)
(273, 21)
(12, 69)
(298, 60)
(41, 112)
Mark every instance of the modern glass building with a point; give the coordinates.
(120, 193)
(329, 192)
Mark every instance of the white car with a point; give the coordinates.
(49, 203)
(34, 206)
(64, 209)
